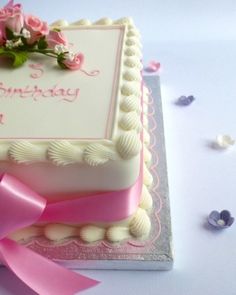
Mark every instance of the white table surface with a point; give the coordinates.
(196, 45)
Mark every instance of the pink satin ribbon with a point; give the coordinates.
(21, 207)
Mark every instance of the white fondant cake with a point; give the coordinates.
(72, 133)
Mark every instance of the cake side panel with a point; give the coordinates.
(56, 183)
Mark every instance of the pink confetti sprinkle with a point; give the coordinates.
(153, 66)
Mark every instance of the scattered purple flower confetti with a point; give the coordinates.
(184, 100)
(220, 220)
(153, 66)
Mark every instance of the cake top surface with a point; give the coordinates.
(41, 101)
(91, 114)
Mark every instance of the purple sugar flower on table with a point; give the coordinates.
(184, 100)
(220, 220)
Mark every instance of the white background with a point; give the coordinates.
(195, 41)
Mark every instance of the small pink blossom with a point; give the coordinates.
(36, 27)
(75, 63)
(56, 38)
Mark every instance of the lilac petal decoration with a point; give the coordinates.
(213, 217)
(225, 215)
(231, 221)
(184, 100)
(220, 220)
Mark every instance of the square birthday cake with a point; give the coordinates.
(74, 127)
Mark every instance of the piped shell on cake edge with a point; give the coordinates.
(92, 233)
(64, 153)
(128, 144)
(98, 154)
(130, 121)
(25, 152)
(140, 224)
(130, 104)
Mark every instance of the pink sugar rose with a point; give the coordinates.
(1, 37)
(75, 63)
(15, 21)
(11, 4)
(36, 27)
(12, 18)
(56, 38)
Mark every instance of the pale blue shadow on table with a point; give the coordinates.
(11, 285)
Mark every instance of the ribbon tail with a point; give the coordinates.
(41, 274)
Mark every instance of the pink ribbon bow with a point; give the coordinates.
(21, 207)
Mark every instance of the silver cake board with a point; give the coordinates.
(155, 253)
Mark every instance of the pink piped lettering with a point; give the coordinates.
(2, 90)
(1, 119)
(36, 93)
(72, 95)
(38, 71)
